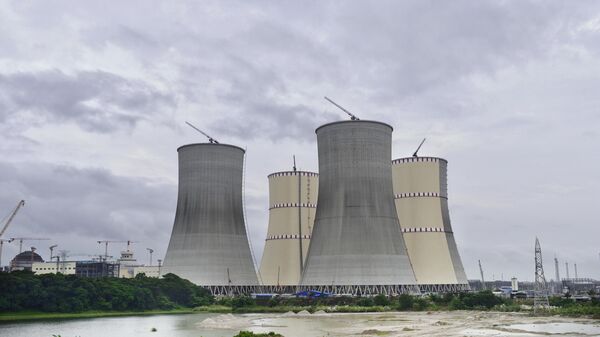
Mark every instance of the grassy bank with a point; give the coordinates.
(6, 317)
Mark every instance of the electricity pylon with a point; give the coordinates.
(540, 301)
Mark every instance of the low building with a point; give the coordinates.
(66, 267)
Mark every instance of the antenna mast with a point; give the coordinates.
(423, 141)
(352, 116)
(210, 139)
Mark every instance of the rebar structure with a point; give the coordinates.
(540, 301)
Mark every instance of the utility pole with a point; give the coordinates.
(540, 300)
(575, 265)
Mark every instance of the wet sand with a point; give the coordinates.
(455, 323)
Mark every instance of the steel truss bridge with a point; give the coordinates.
(349, 290)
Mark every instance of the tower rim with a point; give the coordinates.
(291, 173)
(351, 121)
(408, 159)
(211, 144)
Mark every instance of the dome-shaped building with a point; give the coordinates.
(24, 260)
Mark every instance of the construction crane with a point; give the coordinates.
(418, 148)
(106, 242)
(26, 239)
(150, 250)
(210, 139)
(352, 116)
(294, 163)
(2, 241)
(482, 279)
(52, 250)
(12, 216)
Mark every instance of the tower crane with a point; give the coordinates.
(352, 116)
(210, 139)
(52, 251)
(26, 239)
(418, 148)
(150, 250)
(12, 216)
(6, 223)
(106, 242)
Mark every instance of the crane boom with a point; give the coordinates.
(481, 271)
(12, 216)
(210, 139)
(352, 116)
(423, 141)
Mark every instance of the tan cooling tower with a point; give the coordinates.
(292, 205)
(420, 192)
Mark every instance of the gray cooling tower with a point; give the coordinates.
(209, 245)
(356, 238)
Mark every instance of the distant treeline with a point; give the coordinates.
(25, 291)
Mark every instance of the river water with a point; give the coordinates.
(456, 323)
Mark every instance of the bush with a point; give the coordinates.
(381, 300)
(252, 334)
(405, 302)
(242, 301)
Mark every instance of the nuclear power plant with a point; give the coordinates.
(421, 196)
(209, 244)
(363, 225)
(292, 206)
(356, 244)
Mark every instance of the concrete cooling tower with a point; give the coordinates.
(421, 196)
(356, 244)
(292, 205)
(209, 245)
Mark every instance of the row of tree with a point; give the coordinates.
(21, 291)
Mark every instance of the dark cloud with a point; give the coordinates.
(97, 101)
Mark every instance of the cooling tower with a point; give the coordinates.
(356, 239)
(209, 245)
(421, 196)
(292, 205)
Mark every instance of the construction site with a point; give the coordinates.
(364, 224)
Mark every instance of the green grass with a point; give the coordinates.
(37, 315)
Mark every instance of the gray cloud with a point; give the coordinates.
(64, 201)
(97, 101)
(507, 91)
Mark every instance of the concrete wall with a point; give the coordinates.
(356, 238)
(421, 196)
(292, 206)
(209, 244)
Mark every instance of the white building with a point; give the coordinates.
(66, 268)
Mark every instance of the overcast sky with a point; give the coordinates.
(94, 96)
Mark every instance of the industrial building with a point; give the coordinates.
(421, 197)
(292, 206)
(209, 244)
(356, 245)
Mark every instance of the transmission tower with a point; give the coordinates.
(540, 301)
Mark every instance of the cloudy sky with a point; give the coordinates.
(94, 96)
